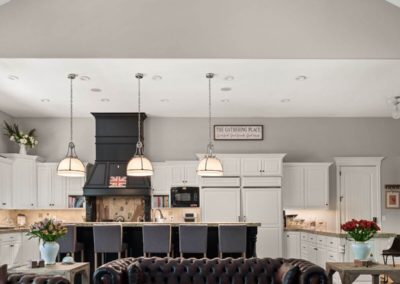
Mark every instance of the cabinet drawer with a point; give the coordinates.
(333, 257)
(10, 237)
(312, 238)
(303, 248)
(229, 182)
(262, 181)
(333, 242)
(304, 236)
(321, 241)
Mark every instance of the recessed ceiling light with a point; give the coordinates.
(229, 78)
(225, 101)
(95, 90)
(164, 100)
(84, 78)
(13, 77)
(105, 100)
(45, 100)
(226, 89)
(285, 101)
(157, 77)
(301, 78)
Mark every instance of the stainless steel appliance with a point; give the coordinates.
(187, 196)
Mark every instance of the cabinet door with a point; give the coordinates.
(269, 242)
(262, 205)
(191, 176)
(252, 166)
(29, 249)
(6, 253)
(44, 180)
(292, 244)
(272, 167)
(316, 187)
(220, 204)
(16, 253)
(5, 185)
(24, 184)
(293, 187)
(322, 257)
(231, 166)
(74, 186)
(159, 180)
(312, 252)
(59, 192)
(177, 175)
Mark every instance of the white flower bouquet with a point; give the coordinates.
(13, 132)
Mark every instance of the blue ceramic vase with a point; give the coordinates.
(361, 250)
(49, 252)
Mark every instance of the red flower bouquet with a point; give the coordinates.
(360, 230)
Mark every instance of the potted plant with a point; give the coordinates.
(22, 139)
(361, 231)
(48, 231)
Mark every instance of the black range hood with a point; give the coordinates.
(116, 137)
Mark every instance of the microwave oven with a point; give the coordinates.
(187, 196)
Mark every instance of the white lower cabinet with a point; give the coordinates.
(220, 204)
(292, 245)
(269, 242)
(17, 249)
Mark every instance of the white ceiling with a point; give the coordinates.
(341, 29)
(334, 88)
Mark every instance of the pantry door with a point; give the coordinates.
(359, 192)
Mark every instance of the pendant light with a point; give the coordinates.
(71, 166)
(210, 165)
(139, 165)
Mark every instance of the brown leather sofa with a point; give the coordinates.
(227, 270)
(24, 278)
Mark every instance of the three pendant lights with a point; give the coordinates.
(139, 165)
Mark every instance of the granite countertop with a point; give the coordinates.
(6, 230)
(173, 224)
(337, 234)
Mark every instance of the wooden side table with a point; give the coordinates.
(67, 271)
(348, 272)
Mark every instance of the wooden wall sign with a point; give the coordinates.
(238, 132)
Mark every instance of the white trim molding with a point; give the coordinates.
(359, 161)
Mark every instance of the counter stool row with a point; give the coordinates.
(157, 240)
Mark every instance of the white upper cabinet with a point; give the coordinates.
(262, 166)
(51, 187)
(252, 167)
(24, 181)
(160, 180)
(231, 166)
(305, 185)
(5, 183)
(183, 173)
(220, 204)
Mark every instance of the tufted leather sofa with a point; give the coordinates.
(199, 271)
(20, 278)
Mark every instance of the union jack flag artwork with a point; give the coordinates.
(117, 181)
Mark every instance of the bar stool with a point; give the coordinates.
(193, 239)
(69, 244)
(156, 239)
(108, 239)
(232, 239)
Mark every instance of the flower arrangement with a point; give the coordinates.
(47, 230)
(19, 137)
(360, 230)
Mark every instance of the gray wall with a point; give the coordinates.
(5, 145)
(303, 139)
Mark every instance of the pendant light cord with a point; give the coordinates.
(209, 115)
(139, 145)
(71, 110)
(139, 126)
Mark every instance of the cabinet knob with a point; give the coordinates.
(4, 203)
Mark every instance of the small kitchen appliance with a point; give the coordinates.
(185, 196)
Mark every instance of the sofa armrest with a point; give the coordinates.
(114, 272)
(310, 273)
(21, 278)
(134, 273)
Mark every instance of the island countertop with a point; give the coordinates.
(337, 234)
(173, 224)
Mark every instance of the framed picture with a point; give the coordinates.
(238, 132)
(392, 199)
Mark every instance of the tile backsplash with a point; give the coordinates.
(67, 215)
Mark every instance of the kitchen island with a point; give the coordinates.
(132, 235)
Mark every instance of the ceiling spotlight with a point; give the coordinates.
(157, 78)
(105, 100)
(301, 78)
(164, 100)
(225, 101)
(229, 78)
(84, 78)
(226, 89)
(13, 77)
(45, 100)
(395, 104)
(285, 100)
(95, 90)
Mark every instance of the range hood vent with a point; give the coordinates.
(116, 137)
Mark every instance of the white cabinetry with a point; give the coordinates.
(24, 181)
(231, 166)
(51, 187)
(183, 173)
(220, 204)
(258, 166)
(305, 185)
(17, 249)
(5, 183)
(161, 178)
(292, 244)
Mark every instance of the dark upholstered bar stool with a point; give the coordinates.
(193, 239)
(156, 239)
(232, 239)
(69, 244)
(108, 239)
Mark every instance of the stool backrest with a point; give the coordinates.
(68, 241)
(107, 238)
(156, 238)
(193, 238)
(232, 238)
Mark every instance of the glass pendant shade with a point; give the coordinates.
(210, 166)
(139, 166)
(71, 167)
